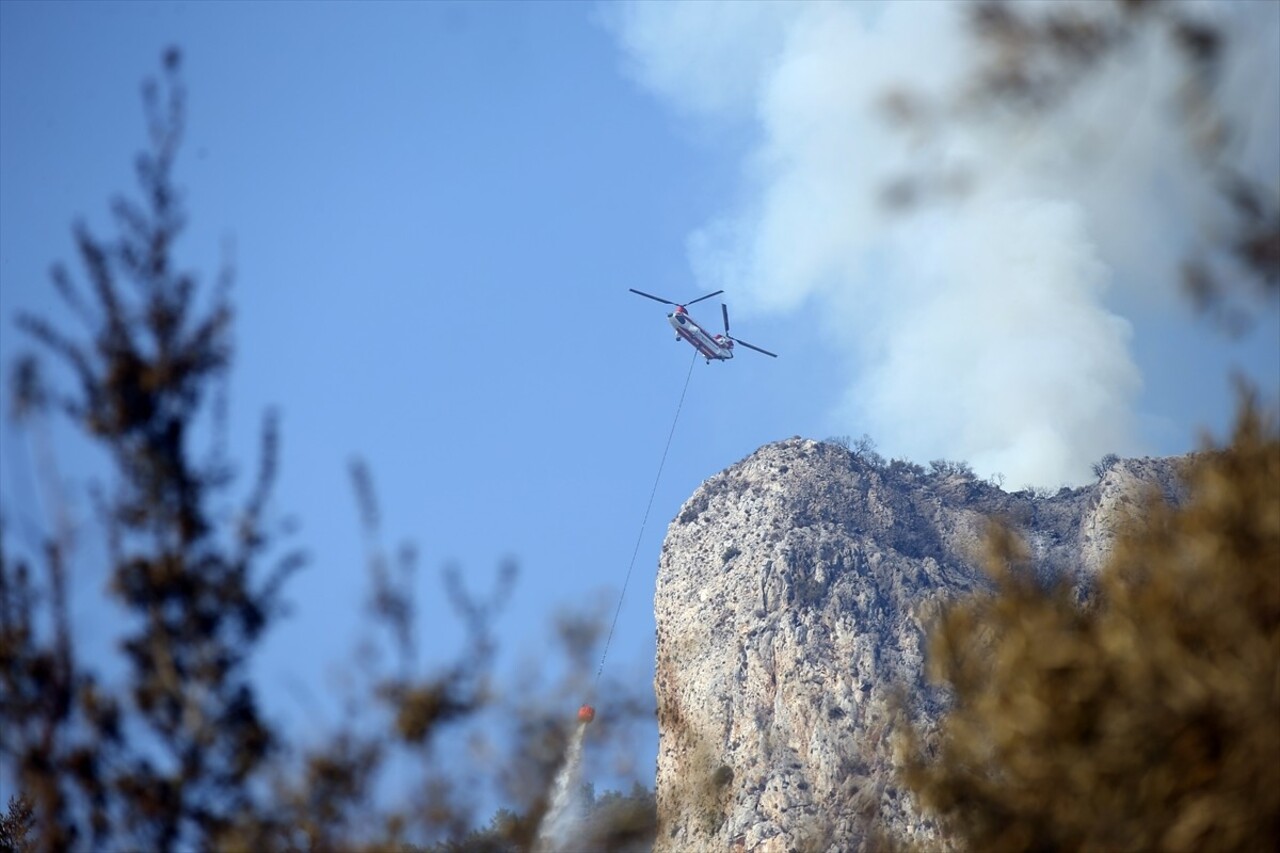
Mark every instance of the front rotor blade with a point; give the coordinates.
(708, 296)
(724, 309)
(756, 348)
(651, 296)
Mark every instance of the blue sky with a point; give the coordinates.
(436, 211)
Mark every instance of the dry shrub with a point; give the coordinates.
(1149, 719)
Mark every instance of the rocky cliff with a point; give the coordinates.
(793, 594)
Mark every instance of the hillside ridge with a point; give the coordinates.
(793, 595)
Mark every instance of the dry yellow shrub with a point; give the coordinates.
(1148, 719)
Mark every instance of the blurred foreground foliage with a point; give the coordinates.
(1031, 63)
(611, 821)
(1147, 719)
(175, 753)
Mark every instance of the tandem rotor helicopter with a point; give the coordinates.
(712, 347)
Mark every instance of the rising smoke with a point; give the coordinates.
(980, 328)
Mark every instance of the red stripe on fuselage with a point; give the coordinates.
(685, 331)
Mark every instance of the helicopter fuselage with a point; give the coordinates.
(709, 346)
(716, 347)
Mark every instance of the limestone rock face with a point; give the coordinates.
(793, 594)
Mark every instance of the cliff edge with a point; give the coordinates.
(793, 597)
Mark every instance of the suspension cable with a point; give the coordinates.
(622, 596)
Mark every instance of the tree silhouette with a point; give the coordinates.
(174, 757)
(180, 755)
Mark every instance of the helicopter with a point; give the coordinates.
(712, 347)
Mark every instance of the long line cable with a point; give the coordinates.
(623, 595)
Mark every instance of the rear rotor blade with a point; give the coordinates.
(651, 296)
(756, 348)
(724, 309)
(708, 296)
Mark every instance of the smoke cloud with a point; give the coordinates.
(979, 327)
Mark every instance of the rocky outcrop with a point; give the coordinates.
(792, 600)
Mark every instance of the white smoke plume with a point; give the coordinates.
(980, 329)
(561, 825)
